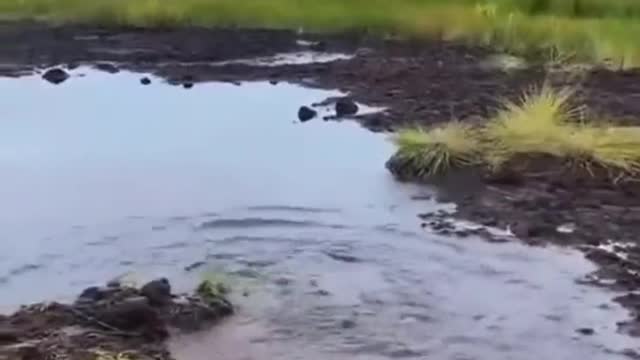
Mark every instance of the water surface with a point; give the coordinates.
(102, 176)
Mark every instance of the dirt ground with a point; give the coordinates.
(418, 83)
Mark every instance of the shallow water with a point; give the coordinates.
(103, 176)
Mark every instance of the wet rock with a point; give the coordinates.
(107, 67)
(9, 335)
(93, 293)
(273, 82)
(157, 291)
(306, 113)
(586, 331)
(145, 81)
(134, 314)
(55, 75)
(346, 107)
(187, 85)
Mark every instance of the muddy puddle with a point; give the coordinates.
(103, 176)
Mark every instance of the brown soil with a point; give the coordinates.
(419, 83)
(112, 320)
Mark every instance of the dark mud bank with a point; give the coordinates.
(113, 321)
(418, 83)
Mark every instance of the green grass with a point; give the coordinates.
(437, 150)
(586, 30)
(541, 124)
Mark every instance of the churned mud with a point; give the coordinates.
(111, 322)
(415, 83)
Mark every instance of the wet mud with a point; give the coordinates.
(414, 82)
(111, 321)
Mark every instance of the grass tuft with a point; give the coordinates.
(543, 123)
(438, 150)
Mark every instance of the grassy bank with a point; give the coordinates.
(582, 30)
(541, 125)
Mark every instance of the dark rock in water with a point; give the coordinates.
(93, 293)
(145, 81)
(273, 82)
(107, 67)
(346, 107)
(157, 291)
(187, 85)
(306, 113)
(55, 75)
(586, 331)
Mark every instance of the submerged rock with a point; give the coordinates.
(306, 113)
(145, 81)
(346, 107)
(55, 75)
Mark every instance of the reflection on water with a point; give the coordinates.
(103, 176)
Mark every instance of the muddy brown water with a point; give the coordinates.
(103, 176)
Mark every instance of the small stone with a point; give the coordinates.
(55, 76)
(93, 293)
(586, 331)
(107, 67)
(145, 81)
(306, 113)
(157, 291)
(346, 107)
(273, 82)
(187, 85)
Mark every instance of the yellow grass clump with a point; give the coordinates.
(435, 151)
(541, 123)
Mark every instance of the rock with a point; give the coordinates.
(9, 335)
(306, 113)
(346, 107)
(145, 81)
(157, 291)
(93, 293)
(134, 314)
(107, 67)
(187, 85)
(586, 331)
(273, 82)
(55, 75)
